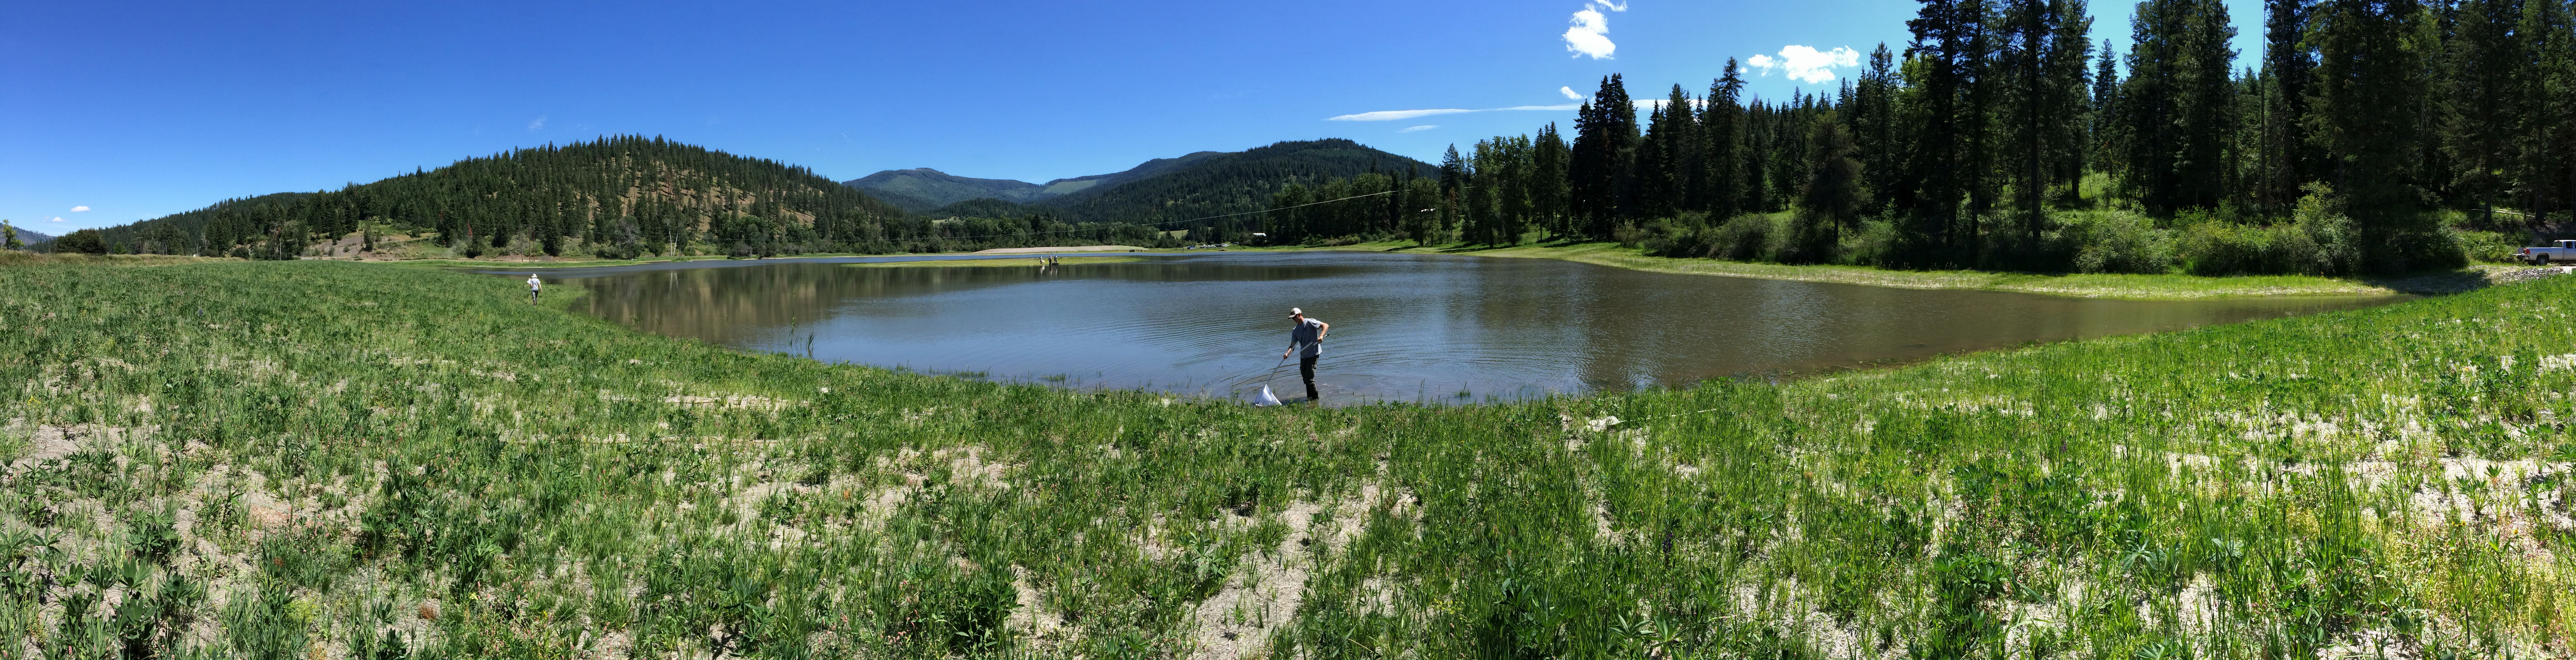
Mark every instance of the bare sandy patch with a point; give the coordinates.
(1264, 595)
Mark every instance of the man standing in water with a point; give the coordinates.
(532, 288)
(1309, 334)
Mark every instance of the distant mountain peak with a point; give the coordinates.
(30, 236)
(1203, 183)
(922, 188)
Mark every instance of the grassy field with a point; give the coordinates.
(319, 460)
(2118, 286)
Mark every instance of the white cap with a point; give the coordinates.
(1292, 311)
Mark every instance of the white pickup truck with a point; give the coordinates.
(2560, 252)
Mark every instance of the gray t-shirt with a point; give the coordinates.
(1309, 333)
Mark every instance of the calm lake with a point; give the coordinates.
(1426, 328)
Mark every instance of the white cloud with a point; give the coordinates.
(78, 209)
(1569, 93)
(1424, 127)
(58, 218)
(539, 123)
(1806, 64)
(1590, 34)
(1392, 115)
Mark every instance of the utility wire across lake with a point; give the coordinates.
(1168, 222)
(1172, 222)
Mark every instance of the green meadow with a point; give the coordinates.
(323, 460)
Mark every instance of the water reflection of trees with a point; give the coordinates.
(734, 304)
(1401, 323)
(727, 305)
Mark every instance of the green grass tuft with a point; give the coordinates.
(265, 459)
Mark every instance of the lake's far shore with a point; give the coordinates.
(1016, 261)
(2115, 286)
(1053, 250)
(2078, 285)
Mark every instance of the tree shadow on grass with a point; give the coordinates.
(1464, 248)
(2458, 280)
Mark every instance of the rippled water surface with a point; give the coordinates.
(1405, 327)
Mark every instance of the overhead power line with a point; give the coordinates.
(1175, 222)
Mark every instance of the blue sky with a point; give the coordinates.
(114, 111)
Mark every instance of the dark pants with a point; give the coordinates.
(1306, 368)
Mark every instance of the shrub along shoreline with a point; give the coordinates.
(262, 459)
(2121, 286)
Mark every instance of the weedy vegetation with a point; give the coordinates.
(332, 460)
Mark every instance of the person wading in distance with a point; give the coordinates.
(532, 288)
(1309, 333)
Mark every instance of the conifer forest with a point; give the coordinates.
(2366, 137)
(616, 197)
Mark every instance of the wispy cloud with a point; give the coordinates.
(1590, 34)
(1424, 127)
(540, 122)
(1569, 93)
(79, 209)
(58, 218)
(1392, 115)
(1806, 64)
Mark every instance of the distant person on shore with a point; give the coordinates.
(1309, 333)
(533, 285)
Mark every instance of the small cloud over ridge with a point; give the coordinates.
(1424, 127)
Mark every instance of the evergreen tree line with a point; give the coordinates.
(1372, 203)
(2369, 136)
(616, 197)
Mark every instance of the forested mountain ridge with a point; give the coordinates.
(1157, 192)
(922, 188)
(1141, 170)
(30, 236)
(1169, 195)
(624, 196)
(169, 233)
(613, 197)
